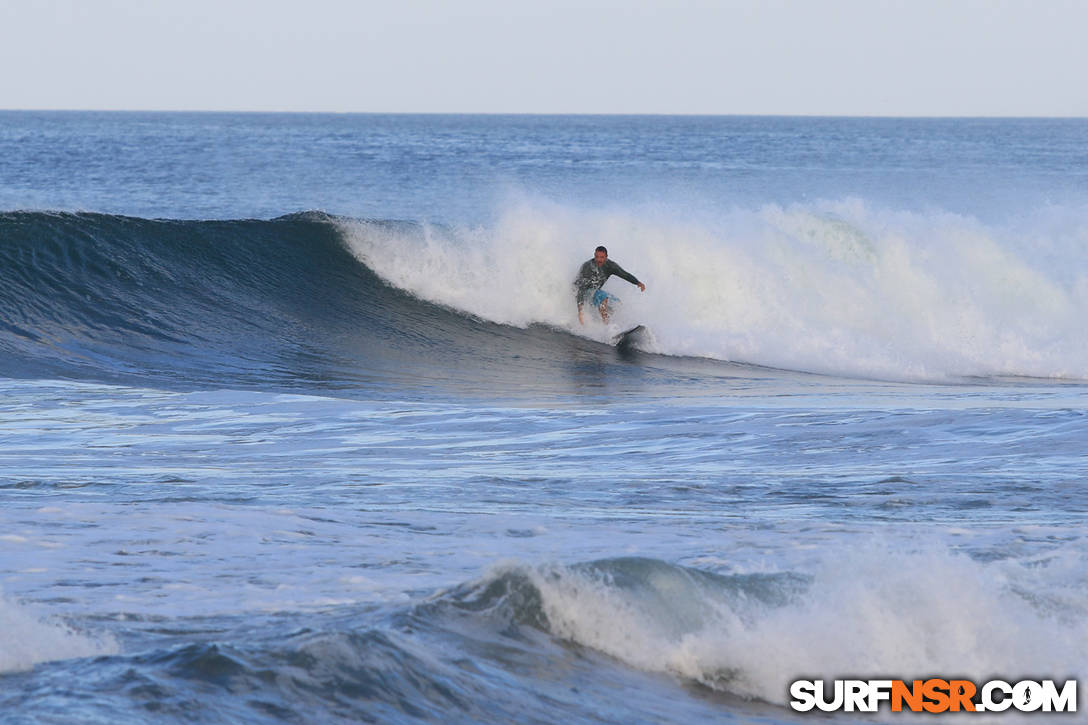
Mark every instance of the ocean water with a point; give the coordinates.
(298, 423)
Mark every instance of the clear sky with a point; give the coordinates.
(818, 57)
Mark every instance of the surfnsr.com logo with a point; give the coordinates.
(934, 695)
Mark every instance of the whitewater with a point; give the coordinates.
(838, 288)
(298, 422)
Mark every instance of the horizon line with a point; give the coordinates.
(918, 116)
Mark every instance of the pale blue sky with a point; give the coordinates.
(822, 57)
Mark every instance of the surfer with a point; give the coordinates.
(592, 276)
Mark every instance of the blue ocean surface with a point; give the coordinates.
(298, 422)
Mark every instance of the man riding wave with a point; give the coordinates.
(592, 276)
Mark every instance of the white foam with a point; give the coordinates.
(872, 615)
(835, 287)
(27, 640)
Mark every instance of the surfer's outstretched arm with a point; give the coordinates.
(622, 273)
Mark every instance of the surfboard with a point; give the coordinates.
(626, 340)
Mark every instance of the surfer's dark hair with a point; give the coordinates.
(600, 249)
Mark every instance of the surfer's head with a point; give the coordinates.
(600, 255)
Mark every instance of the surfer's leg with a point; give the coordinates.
(600, 301)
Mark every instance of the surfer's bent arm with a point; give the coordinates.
(584, 285)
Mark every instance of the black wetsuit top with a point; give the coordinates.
(591, 277)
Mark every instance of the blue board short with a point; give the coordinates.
(600, 296)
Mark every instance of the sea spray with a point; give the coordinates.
(843, 288)
(27, 639)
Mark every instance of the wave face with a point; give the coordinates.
(91, 295)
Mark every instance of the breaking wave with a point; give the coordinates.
(310, 299)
